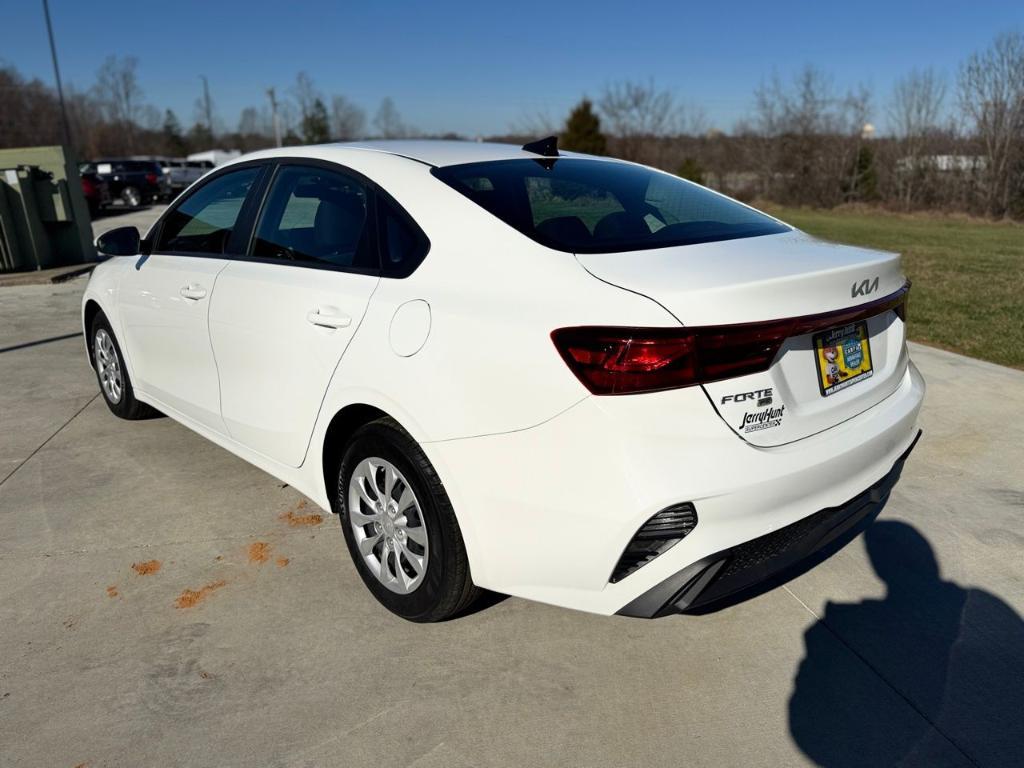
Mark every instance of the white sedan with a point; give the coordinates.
(568, 378)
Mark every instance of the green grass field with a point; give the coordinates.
(968, 274)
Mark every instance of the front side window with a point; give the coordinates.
(315, 215)
(204, 221)
(598, 206)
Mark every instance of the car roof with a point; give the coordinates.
(441, 152)
(434, 152)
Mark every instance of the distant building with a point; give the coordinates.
(216, 156)
(943, 163)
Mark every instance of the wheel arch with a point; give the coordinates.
(89, 312)
(350, 418)
(342, 426)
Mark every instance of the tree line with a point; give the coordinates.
(112, 118)
(955, 145)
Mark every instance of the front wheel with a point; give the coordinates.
(112, 375)
(400, 528)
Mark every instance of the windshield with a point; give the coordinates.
(596, 206)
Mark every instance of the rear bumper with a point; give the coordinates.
(754, 566)
(546, 513)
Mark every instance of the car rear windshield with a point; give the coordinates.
(598, 206)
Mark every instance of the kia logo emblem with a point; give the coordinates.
(864, 287)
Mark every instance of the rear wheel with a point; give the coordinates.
(400, 528)
(115, 385)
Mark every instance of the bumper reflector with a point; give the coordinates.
(655, 537)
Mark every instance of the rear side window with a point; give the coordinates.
(597, 206)
(319, 216)
(403, 244)
(204, 221)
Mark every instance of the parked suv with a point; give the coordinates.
(134, 182)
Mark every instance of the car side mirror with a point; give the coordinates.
(123, 241)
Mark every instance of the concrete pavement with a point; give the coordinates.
(164, 603)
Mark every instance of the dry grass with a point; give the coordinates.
(968, 273)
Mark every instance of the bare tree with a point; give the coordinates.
(287, 118)
(388, 122)
(916, 103)
(348, 120)
(635, 113)
(693, 120)
(991, 95)
(150, 118)
(810, 142)
(28, 111)
(535, 124)
(305, 94)
(249, 122)
(118, 90)
(914, 109)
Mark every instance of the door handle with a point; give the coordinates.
(328, 319)
(193, 291)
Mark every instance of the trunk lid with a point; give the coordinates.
(770, 278)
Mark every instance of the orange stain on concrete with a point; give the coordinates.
(259, 552)
(112, 591)
(298, 521)
(147, 568)
(192, 597)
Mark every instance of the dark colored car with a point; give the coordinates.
(134, 182)
(96, 192)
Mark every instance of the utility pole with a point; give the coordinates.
(56, 73)
(207, 106)
(273, 112)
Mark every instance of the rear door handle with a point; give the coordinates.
(193, 291)
(328, 318)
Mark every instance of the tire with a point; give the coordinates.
(443, 587)
(112, 375)
(131, 197)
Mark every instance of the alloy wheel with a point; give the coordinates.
(388, 525)
(132, 197)
(108, 366)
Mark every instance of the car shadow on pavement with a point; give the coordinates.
(954, 654)
(37, 342)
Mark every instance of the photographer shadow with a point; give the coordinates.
(950, 659)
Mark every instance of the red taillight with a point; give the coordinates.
(619, 361)
(88, 188)
(151, 178)
(612, 361)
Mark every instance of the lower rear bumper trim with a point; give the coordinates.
(755, 566)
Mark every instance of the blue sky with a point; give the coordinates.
(478, 68)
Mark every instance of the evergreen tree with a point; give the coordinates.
(862, 185)
(315, 127)
(690, 169)
(582, 131)
(200, 138)
(174, 141)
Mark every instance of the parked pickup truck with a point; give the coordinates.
(183, 172)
